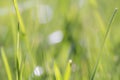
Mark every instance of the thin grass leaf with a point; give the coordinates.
(22, 27)
(109, 25)
(18, 57)
(68, 71)
(22, 67)
(57, 72)
(7, 67)
(99, 55)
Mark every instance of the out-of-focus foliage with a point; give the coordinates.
(58, 31)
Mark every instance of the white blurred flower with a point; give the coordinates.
(38, 71)
(56, 37)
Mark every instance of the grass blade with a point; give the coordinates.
(99, 55)
(22, 27)
(57, 72)
(5, 61)
(18, 57)
(68, 71)
(109, 25)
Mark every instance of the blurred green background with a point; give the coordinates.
(59, 31)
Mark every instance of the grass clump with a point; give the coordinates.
(59, 40)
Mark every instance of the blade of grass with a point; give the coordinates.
(68, 71)
(5, 61)
(22, 27)
(99, 55)
(109, 25)
(57, 72)
(18, 57)
(22, 30)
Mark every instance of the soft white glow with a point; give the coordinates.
(81, 3)
(44, 13)
(56, 37)
(70, 61)
(22, 7)
(38, 71)
(3, 11)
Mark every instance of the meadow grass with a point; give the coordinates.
(99, 55)
(86, 50)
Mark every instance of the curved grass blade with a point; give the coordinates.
(68, 71)
(99, 55)
(57, 72)
(5, 61)
(22, 27)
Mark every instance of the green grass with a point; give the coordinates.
(89, 49)
(99, 55)
(22, 28)
(6, 64)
